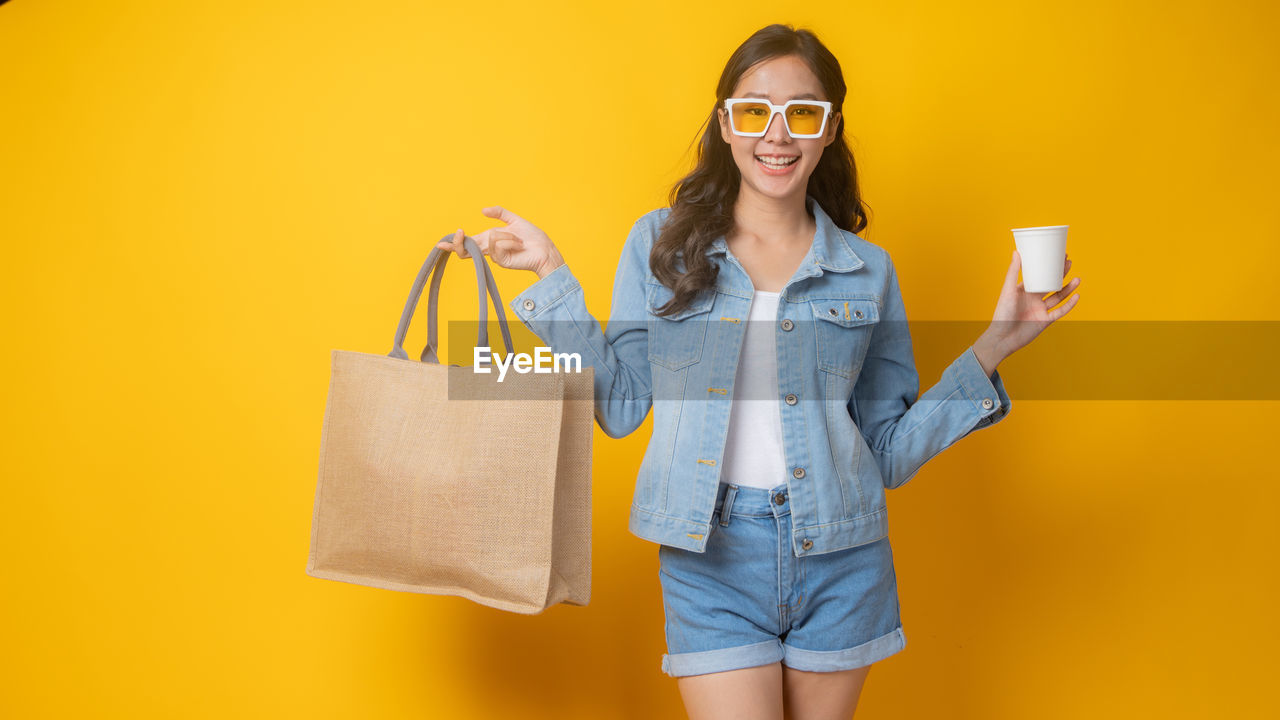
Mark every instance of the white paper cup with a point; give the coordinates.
(1044, 252)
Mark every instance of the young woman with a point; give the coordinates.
(771, 343)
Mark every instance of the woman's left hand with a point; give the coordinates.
(1020, 316)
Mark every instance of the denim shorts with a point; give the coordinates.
(748, 600)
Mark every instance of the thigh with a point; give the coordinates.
(753, 693)
(822, 695)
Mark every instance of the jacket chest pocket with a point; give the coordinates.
(675, 341)
(843, 329)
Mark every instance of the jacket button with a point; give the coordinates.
(832, 311)
(787, 324)
(807, 544)
(798, 472)
(857, 314)
(528, 304)
(791, 399)
(780, 498)
(987, 404)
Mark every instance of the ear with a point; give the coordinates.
(833, 123)
(724, 126)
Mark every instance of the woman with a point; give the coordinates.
(766, 497)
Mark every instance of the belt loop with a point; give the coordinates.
(726, 508)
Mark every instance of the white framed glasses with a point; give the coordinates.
(751, 117)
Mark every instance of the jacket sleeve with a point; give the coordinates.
(554, 308)
(904, 432)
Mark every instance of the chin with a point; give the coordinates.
(778, 191)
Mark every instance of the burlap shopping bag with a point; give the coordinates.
(437, 479)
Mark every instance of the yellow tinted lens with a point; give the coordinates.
(805, 119)
(750, 117)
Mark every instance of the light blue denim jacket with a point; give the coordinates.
(852, 425)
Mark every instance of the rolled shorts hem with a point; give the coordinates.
(734, 658)
(772, 651)
(848, 659)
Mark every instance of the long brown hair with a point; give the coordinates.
(702, 202)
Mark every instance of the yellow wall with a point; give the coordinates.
(200, 200)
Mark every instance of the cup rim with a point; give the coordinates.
(1039, 227)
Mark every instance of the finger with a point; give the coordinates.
(460, 245)
(1066, 266)
(501, 213)
(1064, 308)
(503, 251)
(1063, 294)
(481, 241)
(448, 242)
(459, 239)
(1057, 297)
(505, 248)
(502, 235)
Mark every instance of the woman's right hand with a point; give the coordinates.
(518, 246)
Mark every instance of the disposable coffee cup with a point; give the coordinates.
(1044, 252)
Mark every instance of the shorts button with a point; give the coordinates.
(528, 304)
(787, 324)
(779, 499)
(986, 403)
(791, 399)
(798, 472)
(807, 544)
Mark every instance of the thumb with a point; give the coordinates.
(1015, 264)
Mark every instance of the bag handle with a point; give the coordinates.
(429, 352)
(434, 265)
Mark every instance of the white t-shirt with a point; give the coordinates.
(753, 450)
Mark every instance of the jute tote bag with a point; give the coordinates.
(439, 479)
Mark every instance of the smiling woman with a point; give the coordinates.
(775, 129)
(770, 341)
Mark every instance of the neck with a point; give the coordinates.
(772, 220)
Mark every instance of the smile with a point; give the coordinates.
(777, 165)
(777, 162)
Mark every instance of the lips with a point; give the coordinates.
(777, 164)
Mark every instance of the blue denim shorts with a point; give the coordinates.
(748, 600)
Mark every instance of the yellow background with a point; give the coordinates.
(200, 200)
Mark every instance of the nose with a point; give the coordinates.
(777, 131)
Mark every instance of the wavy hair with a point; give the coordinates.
(702, 202)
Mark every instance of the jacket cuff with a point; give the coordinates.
(544, 294)
(987, 394)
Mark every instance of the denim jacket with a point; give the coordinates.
(852, 425)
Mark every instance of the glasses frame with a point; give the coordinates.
(773, 111)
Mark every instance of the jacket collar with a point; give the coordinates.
(829, 251)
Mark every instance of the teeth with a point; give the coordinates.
(776, 163)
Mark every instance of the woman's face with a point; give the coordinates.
(778, 79)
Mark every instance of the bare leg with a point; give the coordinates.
(753, 693)
(822, 695)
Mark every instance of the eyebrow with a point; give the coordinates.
(805, 96)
